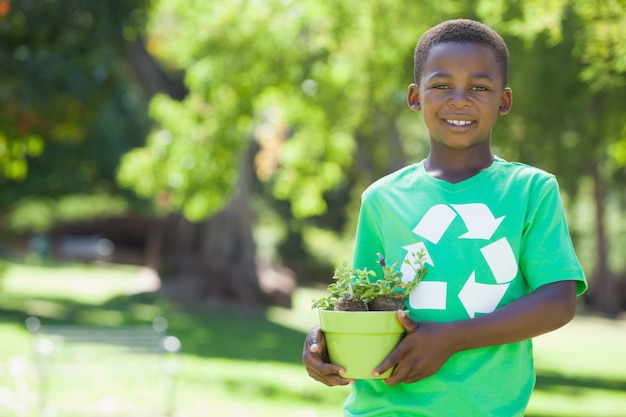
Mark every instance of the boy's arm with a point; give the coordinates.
(428, 345)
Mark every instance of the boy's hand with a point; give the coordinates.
(315, 359)
(420, 354)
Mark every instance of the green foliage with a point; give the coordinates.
(362, 285)
(304, 80)
(600, 42)
(60, 61)
(69, 111)
(336, 290)
(42, 214)
(183, 166)
(73, 181)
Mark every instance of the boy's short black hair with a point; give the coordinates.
(460, 31)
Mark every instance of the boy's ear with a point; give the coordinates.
(413, 97)
(506, 102)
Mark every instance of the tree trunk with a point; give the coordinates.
(149, 75)
(213, 261)
(605, 297)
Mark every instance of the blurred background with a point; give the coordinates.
(204, 160)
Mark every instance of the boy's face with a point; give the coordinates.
(461, 95)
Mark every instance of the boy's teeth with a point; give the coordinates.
(459, 122)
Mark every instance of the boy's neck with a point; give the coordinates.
(457, 169)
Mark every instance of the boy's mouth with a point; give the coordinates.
(459, 122)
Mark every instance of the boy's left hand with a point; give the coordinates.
(421, 353)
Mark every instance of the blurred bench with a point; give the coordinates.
(96, 371)
(85, 248)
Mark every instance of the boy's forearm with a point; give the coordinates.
(546, 309)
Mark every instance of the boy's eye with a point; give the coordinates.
(479, 88)
(440, 87)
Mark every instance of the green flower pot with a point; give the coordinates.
(360, 340)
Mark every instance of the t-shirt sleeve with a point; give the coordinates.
(548, 254)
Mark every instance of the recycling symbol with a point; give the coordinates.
(481, 225)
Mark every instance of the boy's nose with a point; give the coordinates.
(459, 99)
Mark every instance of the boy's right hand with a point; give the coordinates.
(315, 359)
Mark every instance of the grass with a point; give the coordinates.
(581, 371)
(241, 364)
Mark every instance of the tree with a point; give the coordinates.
(304, 80)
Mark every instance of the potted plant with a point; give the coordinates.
(358, 316)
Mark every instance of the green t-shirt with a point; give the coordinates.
(488, 240)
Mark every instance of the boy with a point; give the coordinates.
(501, 265)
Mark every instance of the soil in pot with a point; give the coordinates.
(350, 304)
(386, 303)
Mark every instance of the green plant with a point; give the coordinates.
(359, 290)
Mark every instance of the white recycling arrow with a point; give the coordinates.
(499, 256)
(435, 223)
(501, 260)
(479, 220)
(480, 298)
(429, 295)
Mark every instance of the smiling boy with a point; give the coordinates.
(501, 264)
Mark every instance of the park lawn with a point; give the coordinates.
(581, 370)
(241, 364)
